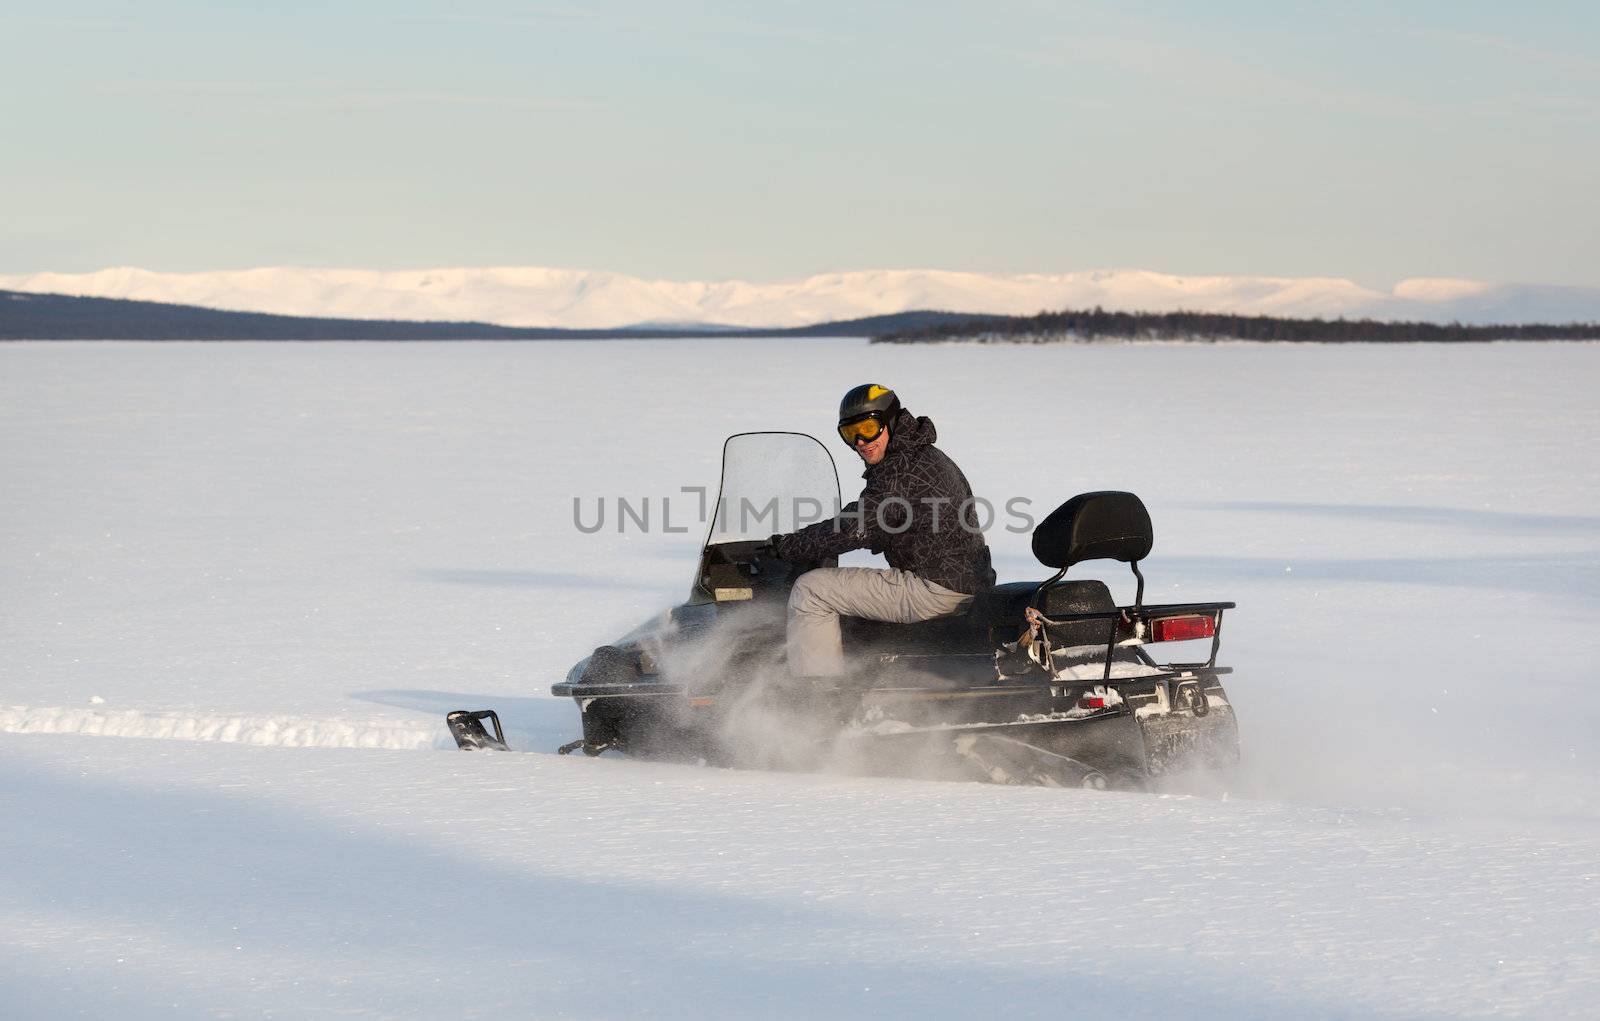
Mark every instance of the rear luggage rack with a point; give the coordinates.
(1130, 623)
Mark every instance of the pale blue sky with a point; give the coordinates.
(710, 140)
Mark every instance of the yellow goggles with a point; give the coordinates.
(862, 430)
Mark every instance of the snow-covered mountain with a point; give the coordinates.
(538, 296)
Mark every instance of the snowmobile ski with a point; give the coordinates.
(466, 726)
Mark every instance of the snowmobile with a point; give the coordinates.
(1037, 682)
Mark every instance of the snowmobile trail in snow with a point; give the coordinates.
(264, 729)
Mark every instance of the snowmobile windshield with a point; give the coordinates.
(772, 483)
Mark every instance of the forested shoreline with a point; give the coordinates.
(1098, 324)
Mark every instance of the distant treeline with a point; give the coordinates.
(1098, 324)
(28, 316)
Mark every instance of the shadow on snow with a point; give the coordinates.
(309, 913)
(1484, 520)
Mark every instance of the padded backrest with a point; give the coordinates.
(1107, 525)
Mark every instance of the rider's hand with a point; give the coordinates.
(766, 552)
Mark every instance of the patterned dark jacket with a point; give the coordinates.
(910, 511)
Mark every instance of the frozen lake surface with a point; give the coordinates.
(240, 584)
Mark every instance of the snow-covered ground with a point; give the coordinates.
(550, 297)
(240, 584)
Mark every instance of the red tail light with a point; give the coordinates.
(1092, 702)
(1181, 629)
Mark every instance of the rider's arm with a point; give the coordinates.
(825, 538)
(861, 524)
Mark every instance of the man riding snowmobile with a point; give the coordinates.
(916, 509)
(1050, 682)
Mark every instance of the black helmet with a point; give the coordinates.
(868, 399)
(864, 412)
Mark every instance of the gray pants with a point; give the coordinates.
(821, 596)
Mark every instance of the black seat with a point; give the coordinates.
(1109, 525)
(992, 615)
(957, 633)
(1003, 604)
